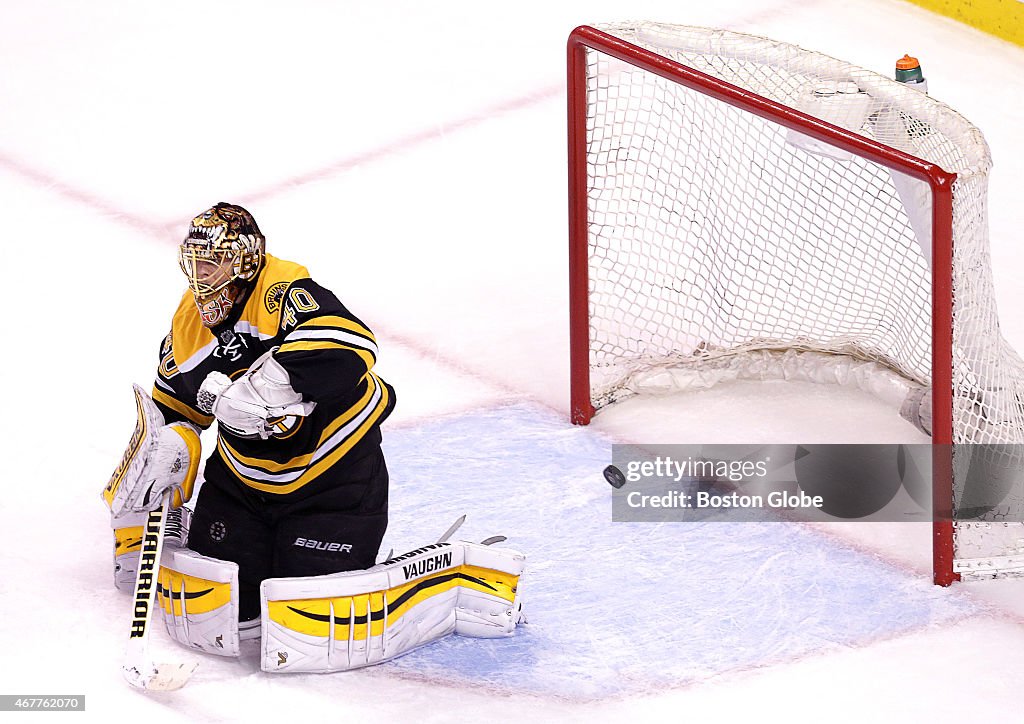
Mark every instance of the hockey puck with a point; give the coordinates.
(614, 476)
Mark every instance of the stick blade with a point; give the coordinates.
(451, 530)
(160, 677)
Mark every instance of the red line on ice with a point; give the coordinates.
(80, 196)
(160, 229)
(510, 393)
(404, 143)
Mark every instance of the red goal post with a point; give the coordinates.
(586, 40)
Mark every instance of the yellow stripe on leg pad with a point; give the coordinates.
(198, 594)
(312, 617)
(127, 539)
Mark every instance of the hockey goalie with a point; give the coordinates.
(288, 522)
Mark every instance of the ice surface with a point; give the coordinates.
(627, 608)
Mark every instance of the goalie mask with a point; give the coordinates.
(223, 249)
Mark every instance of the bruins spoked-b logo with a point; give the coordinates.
(272, 301)
(284, 427)
(218, 531)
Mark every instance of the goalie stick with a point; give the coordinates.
(451, 531)
(138, 669)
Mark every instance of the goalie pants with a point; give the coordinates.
(335, 529)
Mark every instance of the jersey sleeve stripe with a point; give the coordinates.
(352, 340)
(330, 320)
(181, 408)
(368, 357)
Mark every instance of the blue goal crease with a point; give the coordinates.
(623, 608)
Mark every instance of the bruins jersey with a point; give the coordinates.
(329, 355)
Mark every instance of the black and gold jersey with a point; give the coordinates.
(329, 355)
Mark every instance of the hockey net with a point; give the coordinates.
(744, 208)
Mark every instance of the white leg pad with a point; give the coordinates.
(481, 614)
(359, 618)
(199, 600)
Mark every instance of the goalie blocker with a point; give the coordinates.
(347, 620)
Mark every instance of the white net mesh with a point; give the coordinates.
(715, 233)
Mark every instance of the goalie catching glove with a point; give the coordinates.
(249, 406)
(159, 458)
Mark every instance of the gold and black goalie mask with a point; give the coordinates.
(223, 245)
